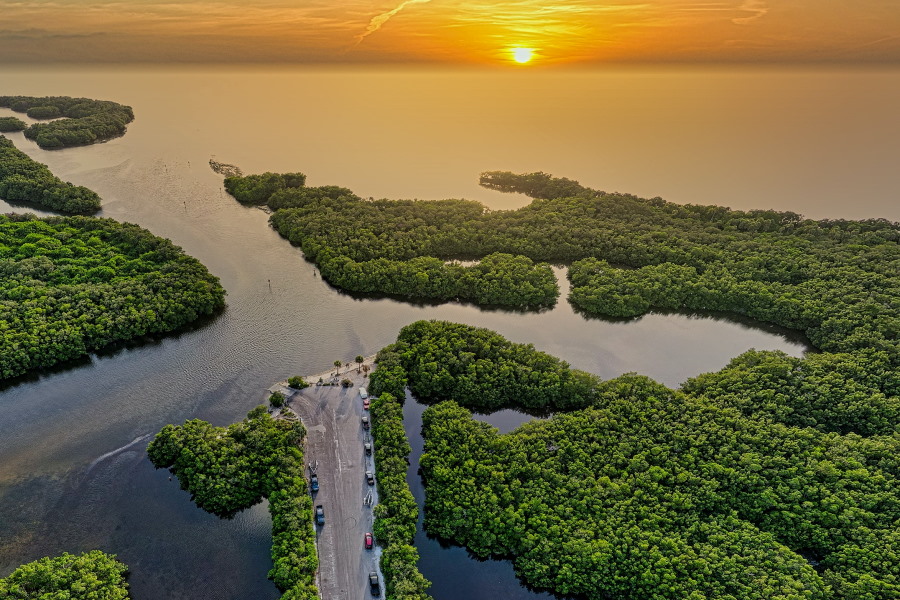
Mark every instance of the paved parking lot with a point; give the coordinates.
(335, 436)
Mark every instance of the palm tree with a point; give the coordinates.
(359, 361)
(337, 366)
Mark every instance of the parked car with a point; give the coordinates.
(365, 422)
(370, 477)
(368, 448)
(369, 541)
(363, 393)
(320, 515)
(373, 583)
(366, 404)
(314, 483)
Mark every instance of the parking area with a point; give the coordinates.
(335, 450)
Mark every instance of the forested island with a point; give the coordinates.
(8, 124)
(385, 246)
(77, 121)
(94, 575)
(23, 179)
(742, 484)
(73, 285)
(837, 281)
(229, 469)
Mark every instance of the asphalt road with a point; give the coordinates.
(335, 436)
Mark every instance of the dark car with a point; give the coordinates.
(370, 477)
(314, 483)
(368, 447)
(320, 515)
(369, 541)
(373, 583)
(365, 422)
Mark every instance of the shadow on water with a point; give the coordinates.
(111, 351)
(793, 336)
(427, 303)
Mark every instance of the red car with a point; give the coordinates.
(366, 403)
(369, 541)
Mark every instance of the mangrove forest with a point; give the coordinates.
(74, 285)
(75, 121)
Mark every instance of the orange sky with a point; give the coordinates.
(450, 31)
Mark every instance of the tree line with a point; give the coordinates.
(229, 469)
(777, 477)
(79, 121)
(23, 179)
(396, 514)
(73, 285)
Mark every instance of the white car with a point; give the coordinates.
(363, 393)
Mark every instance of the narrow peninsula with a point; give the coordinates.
(23, 179)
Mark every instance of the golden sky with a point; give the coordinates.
(450, 31)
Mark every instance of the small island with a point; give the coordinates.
(8, 124)
(74, 285)
(23, 179)
(78, 121)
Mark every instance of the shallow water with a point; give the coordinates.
(73, 473)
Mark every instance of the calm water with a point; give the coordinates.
(73, 473)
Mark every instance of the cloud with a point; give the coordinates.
(759, 8)
(379, 20)
(43, 34)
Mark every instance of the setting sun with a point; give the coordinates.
(522, 55)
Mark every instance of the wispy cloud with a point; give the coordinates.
(379, 20)
(759, 8)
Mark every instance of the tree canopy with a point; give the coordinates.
(89, 576)
(73, 285)
(84, 121)
(23, 179)
(11, 124)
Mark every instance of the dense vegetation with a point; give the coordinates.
(397, 513)
(754, 482)
(85, 121)
(23, 179)
(835, 280)
(484, 371)
(89, 576)
(72, 285)
(389, 257)
(11, 124)
(229, 469)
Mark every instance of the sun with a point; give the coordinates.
(522, 55)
